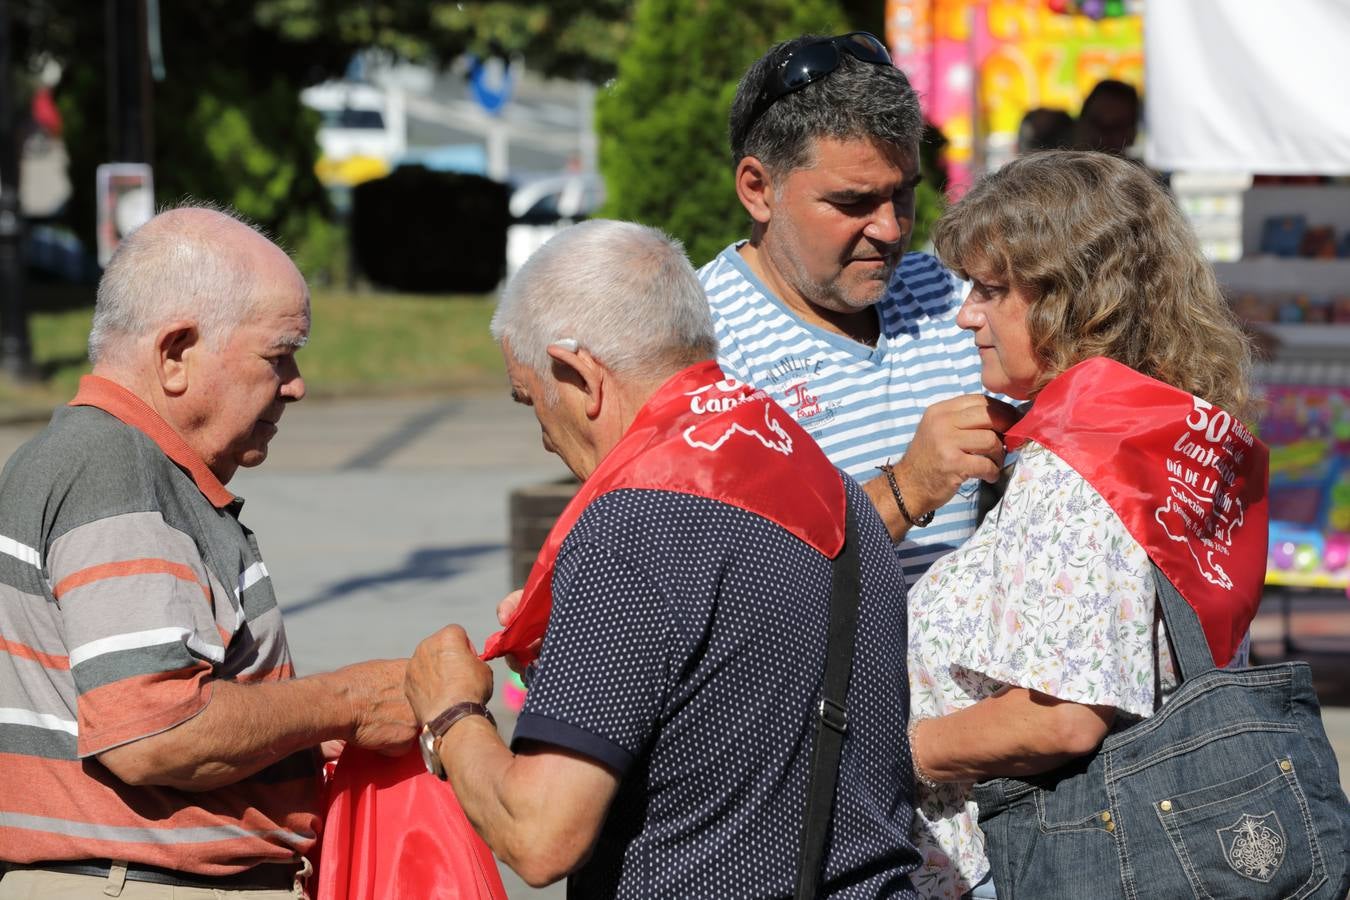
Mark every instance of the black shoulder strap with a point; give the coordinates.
(833, 715)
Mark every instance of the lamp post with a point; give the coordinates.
(129, 131)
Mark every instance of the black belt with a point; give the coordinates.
(264, 877)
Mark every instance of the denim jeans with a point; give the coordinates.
(1230, 790)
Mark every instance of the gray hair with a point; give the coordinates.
(858, 100)
(173, 267)
(622, 291)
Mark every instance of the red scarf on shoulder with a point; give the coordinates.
(705, 434)
(392, 830)
(1187, 479)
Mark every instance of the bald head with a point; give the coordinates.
(192, 264)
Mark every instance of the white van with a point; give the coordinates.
(364, 128)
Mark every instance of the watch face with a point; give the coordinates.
(426, 741)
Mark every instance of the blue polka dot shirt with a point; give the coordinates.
(685, 651)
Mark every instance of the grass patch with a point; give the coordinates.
(386, 341)
(361, 343)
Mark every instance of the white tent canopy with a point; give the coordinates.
(1257, 86)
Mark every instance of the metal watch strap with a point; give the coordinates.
(441, 724)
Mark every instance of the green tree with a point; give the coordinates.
(564, 38)
(663, 120)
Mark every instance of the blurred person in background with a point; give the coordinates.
(1045, 129)
(1109, 119)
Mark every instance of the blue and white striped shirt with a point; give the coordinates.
(861, 404)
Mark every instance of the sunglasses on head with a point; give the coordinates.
(813, 61)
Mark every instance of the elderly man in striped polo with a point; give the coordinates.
(152, 731)
(824, 310)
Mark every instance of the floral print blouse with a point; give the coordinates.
(1051, 594)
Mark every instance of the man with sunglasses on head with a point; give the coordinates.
(824, 310)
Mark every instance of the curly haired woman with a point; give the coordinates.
(1033, 640)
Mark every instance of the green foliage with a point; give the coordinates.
(248, 145)
(663, 121)
(568, 38)
(928, 206)
(320, 249)
(360, 343)
(228, 126)
(931, 198)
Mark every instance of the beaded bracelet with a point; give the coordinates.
(889, 471)
(919, 775)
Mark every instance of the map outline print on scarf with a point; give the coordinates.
(730, 385)
(739, 464)
(1136, 439)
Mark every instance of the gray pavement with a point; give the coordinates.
(383, 519)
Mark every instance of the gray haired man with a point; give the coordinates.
(683, 600)
(823, 309)
(155, 739)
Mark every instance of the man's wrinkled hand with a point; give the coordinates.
(957, 439)
(382, 718)
(445, 670)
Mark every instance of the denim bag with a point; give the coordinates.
(1230, 790)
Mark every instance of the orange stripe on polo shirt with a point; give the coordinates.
(283, 672)
(116, 713)
(67, 801)
(23, 651)
(200, 857)
(127, 568)
(61, 789)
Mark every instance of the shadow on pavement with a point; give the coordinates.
(425, 564)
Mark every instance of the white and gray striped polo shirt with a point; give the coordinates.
(127, 588)
(862, 404)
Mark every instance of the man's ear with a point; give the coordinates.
(754, 187)
(175, 345)
(583, 372)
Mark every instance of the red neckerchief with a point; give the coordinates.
(1186, 478)
(705, 434)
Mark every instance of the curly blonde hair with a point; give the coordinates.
(1111, 269)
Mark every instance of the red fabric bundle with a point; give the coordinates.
(393, 830)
